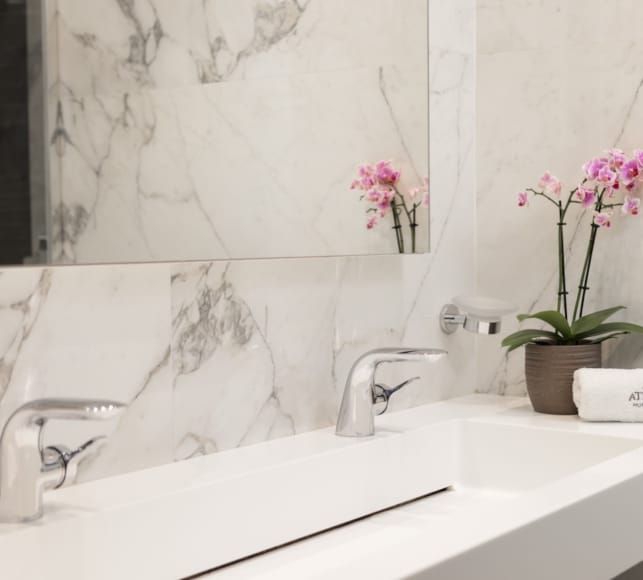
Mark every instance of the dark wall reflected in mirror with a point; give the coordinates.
(15, 162)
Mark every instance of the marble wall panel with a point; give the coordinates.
(549, 102)
(96, 333)
(262, 349)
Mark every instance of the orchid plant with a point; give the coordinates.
(610, 186)
(380, 184)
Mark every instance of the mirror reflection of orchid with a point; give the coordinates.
(611, 185)
(380, 184)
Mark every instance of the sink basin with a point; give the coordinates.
(514, 487)
(507, 460)
(183, 519)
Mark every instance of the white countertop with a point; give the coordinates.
(533, 497)
(411, 541)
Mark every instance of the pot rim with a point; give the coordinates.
(546, 345)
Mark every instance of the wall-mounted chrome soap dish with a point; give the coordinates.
(475, 313)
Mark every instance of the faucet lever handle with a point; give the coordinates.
(70, 459)
(382, 395)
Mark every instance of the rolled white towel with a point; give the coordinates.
(609, 394)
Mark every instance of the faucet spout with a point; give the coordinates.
(356, 413)
(26, 468)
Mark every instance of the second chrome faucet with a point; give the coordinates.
(364, 397)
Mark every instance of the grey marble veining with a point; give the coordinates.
(137, 40)
(21, 314)
(222, 318)
(161, 44)
(223, 357)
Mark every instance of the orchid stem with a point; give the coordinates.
(584, 277)
(562, 279)
(414, 226)
(410, 215)
(397, 227)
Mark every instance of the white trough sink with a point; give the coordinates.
(506, 459)
(191, 517)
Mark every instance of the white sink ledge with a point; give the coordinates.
(531, 497)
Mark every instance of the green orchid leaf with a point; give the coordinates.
(554, 318)
(522, 337)
(591, 321)
(610, 328)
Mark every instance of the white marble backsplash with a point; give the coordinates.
(213, 355)
(92, 332)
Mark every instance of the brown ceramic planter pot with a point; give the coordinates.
(549, 370)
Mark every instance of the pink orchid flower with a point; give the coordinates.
(371, 177)
(426, 199)
(550, 184)
(373, 196)
(603, 219)
(593, 167)
(365, 170)
(616, 158)
(631, 205)
(379, 184)
(523, 199)
(385, 173)
(608, 177)
(384, 203)
(414, 192)
(638, 157)
(629, 173)
(422, 190)
(366, 178)
(586, 195)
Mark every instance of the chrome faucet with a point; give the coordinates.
(364, 398)
(26, 469)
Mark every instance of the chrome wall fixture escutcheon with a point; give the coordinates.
(451, 319)
(474, 314)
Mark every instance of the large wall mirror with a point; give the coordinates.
(159, 130)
